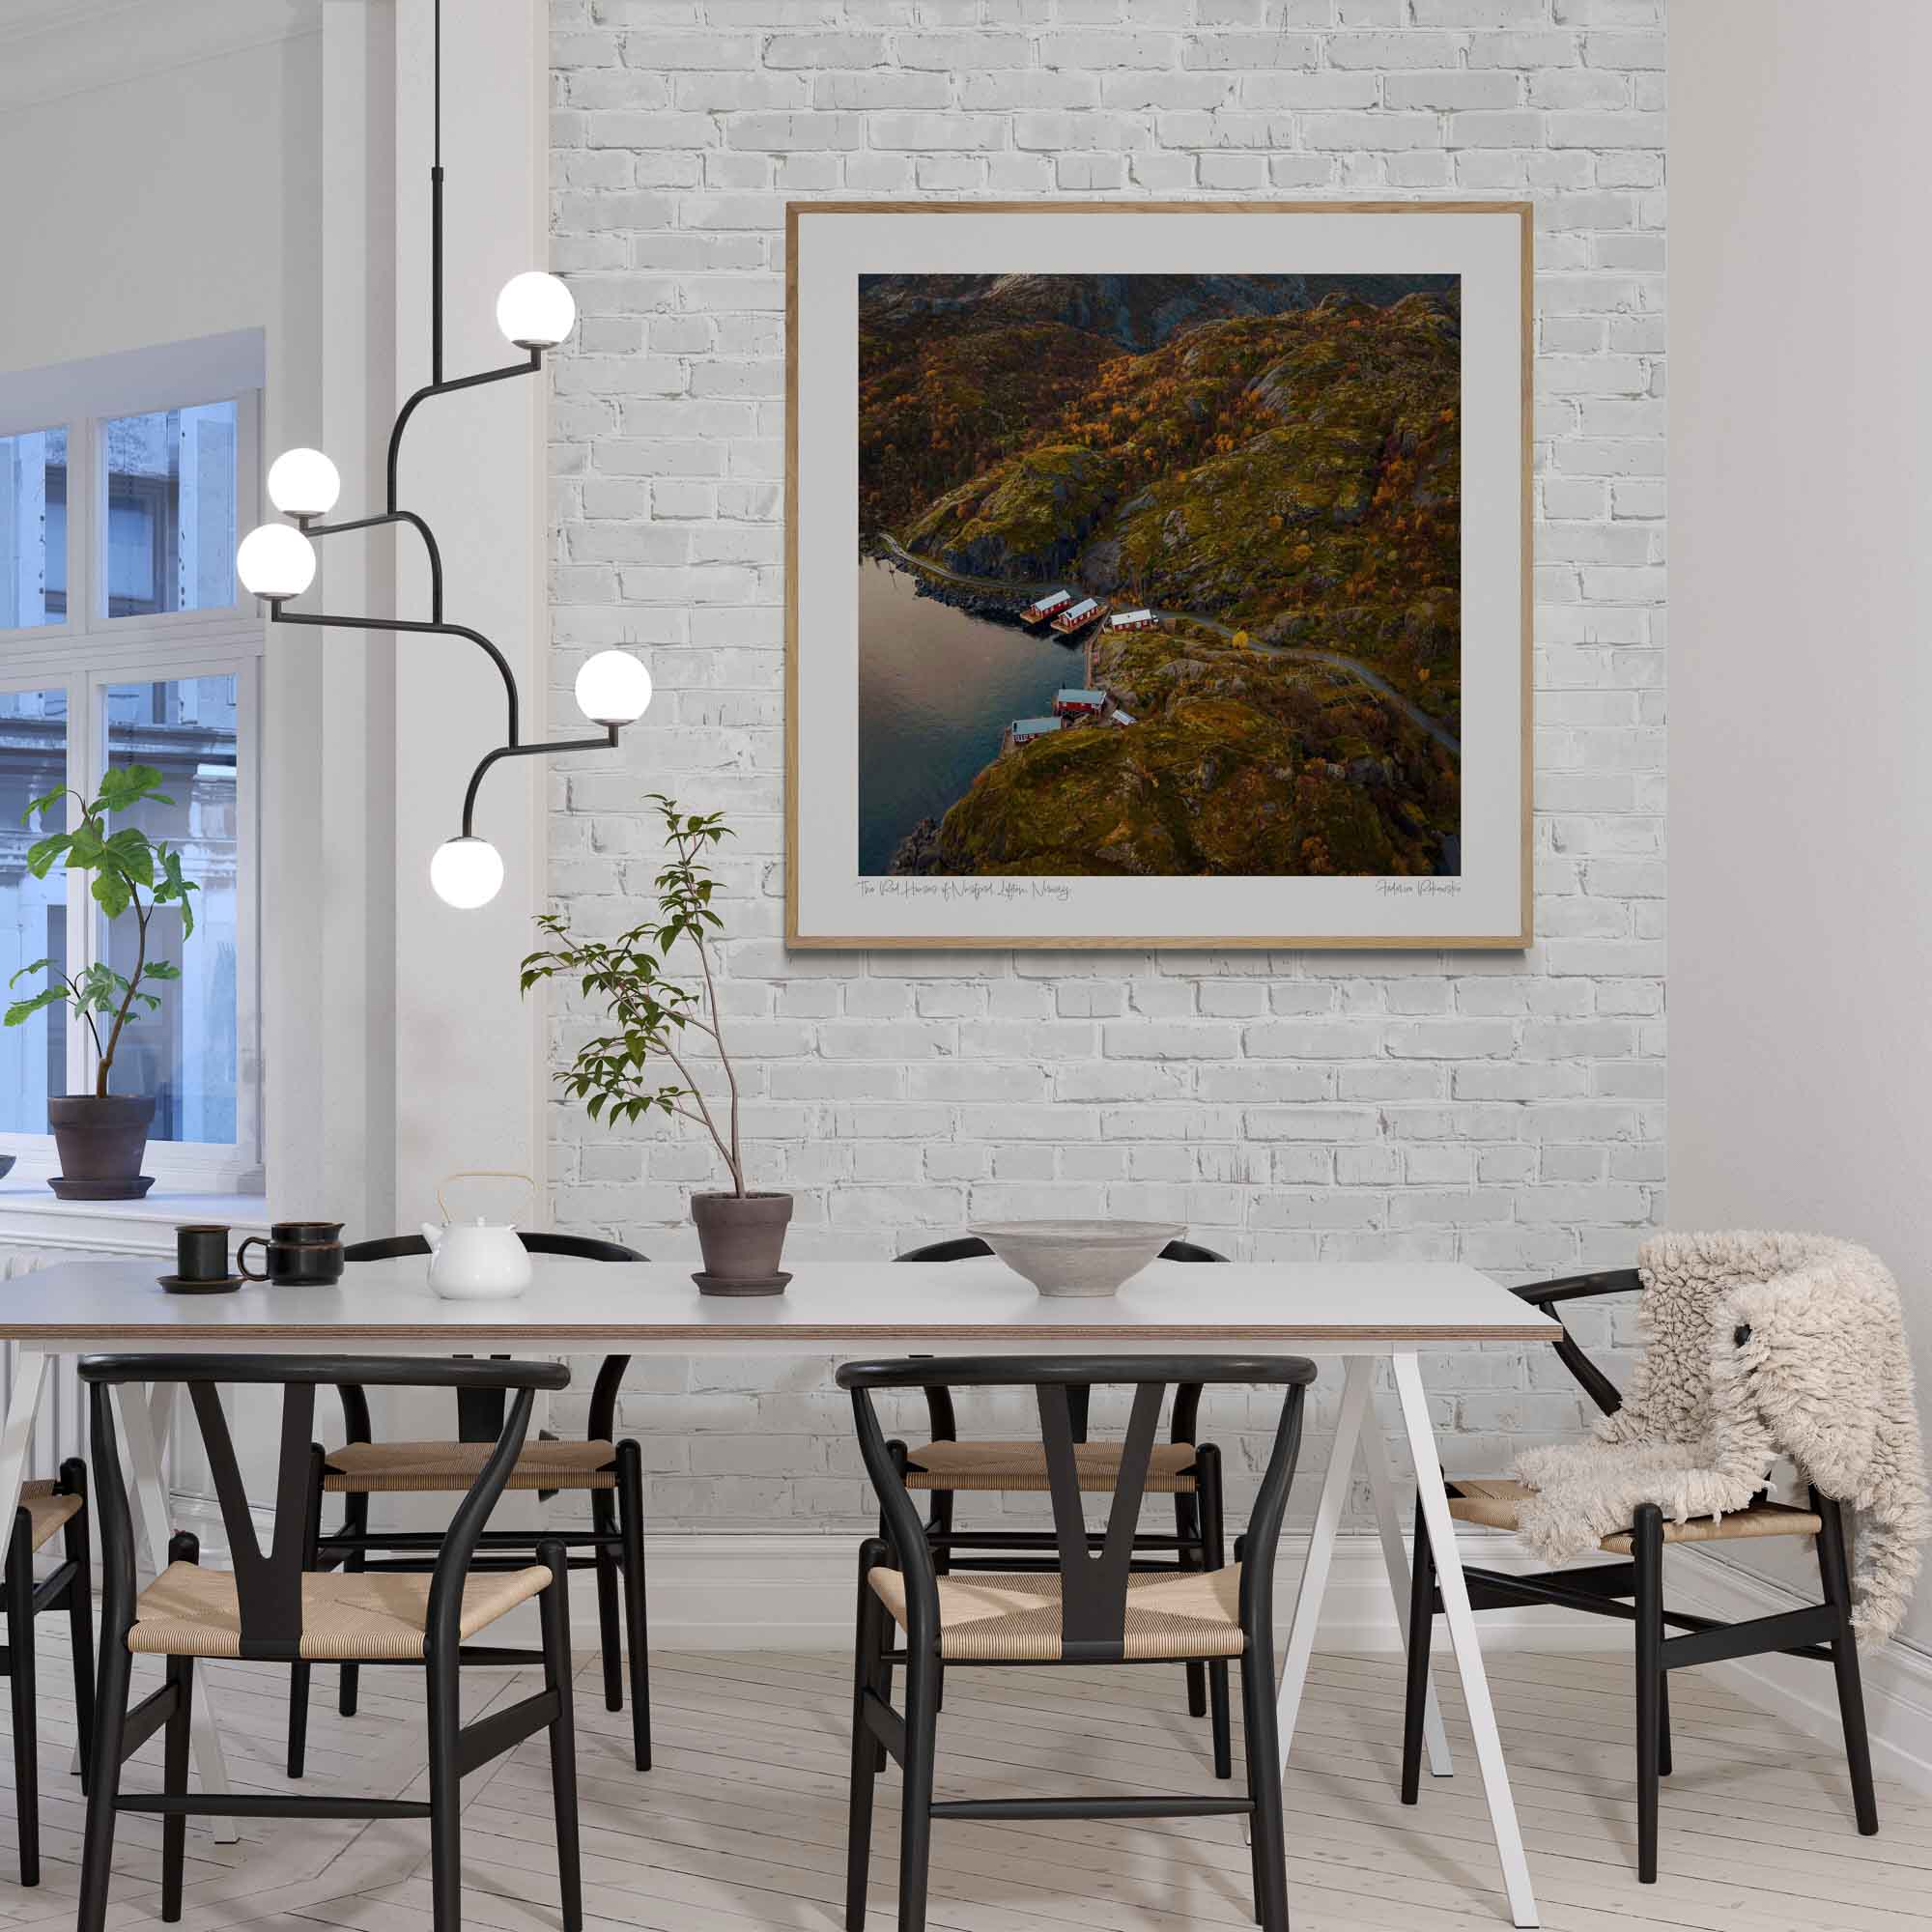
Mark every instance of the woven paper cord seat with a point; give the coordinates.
(1495, 1500)
(45, 1511)
(189, 1612)
(415, 1468)
(1022, 1467)
(1015, 1619)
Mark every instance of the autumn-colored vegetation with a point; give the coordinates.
(1282, 470)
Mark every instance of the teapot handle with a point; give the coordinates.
(483, 1174)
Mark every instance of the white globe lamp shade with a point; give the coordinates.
(275, 561)
(535, 310)
(613, 687)
(467, 872)
(304, 483)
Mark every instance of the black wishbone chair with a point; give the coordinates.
(47, 1509)
(272, 1608)
(1182, 1466)
(1094, 1607)
(610, 1471)
(1822, 1632)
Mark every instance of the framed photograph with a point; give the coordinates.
(1157, 574)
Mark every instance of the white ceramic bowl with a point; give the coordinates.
(1077, 1257)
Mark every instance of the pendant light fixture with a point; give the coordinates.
(276, 561)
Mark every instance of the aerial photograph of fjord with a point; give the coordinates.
(1159, 575)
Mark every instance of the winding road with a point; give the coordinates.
(1387, 692)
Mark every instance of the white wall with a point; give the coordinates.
(1801, 480)
(1504, 1110)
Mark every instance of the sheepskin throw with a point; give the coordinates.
(1824, 1376)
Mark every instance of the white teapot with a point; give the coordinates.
(477, 1260)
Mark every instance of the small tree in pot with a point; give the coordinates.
(103, 1137)
(659, 1024)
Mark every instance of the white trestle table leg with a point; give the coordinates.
(1328, 1513)
(1461, 1624)
(144, 1425)
(1394, 1556)
(16, 1437)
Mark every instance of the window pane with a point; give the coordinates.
(33, 912)
(33, 528)
(185, 1054)
(171, 511)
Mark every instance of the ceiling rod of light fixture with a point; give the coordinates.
(535, 312)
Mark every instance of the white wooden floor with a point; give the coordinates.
(742, 1824)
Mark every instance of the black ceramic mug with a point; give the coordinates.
(295, 1254)
(201, 1253)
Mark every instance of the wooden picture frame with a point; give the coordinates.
(1302, 272)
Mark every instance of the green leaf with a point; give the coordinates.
(161, 969)
(44, 803)
(22, 1009)
(123, 785)
(112, 892)
(38, 966)
(41, 857)
(130, 852)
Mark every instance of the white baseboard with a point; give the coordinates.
(1897, 1679)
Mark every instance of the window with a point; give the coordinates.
(124, 639)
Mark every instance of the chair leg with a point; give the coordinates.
(298, 1673)
(636, 1632)
(1264, 1750)
(939, 1529)
(446, 1797)
(1835, 1573)
(610, 1636)
(20, 1598)
(174, 1781)
(1187, 1532)
(104, 1786)
(80, 1612)
(1663, 1763)
(553, 1609)
(1421, 1632)
(1214, 1556)
(868, 1757)
(355, 1522)
(1647, 1548)
(922, 1742)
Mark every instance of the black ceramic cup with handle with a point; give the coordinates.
(295, 1254)
(201, 1252)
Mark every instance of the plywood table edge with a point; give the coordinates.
(110, 1340)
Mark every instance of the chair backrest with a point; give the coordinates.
(479, 1412)
(269, 1583)
(578, 1247)
(1093, 1584)
(970, 1248)
(940, 1414)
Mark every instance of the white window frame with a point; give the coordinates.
(88, 651)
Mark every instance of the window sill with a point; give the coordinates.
(30, 1216)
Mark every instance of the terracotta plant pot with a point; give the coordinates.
(101, 1138)
(743, 1239)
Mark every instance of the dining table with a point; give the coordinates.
(1352, 1316)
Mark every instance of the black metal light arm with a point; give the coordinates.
(326, 620)
(309, 527)
(442, 389)
(514, 750)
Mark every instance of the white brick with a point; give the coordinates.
(1503, 1110)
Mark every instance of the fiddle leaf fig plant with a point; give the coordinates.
(658, 1019)
(131, 872)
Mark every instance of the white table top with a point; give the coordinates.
(870, 1307)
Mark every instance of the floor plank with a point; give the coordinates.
(742, 1825)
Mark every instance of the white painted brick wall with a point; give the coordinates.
(1502, 1110)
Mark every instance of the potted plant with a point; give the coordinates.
(660, 1024)
(103, 1137)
